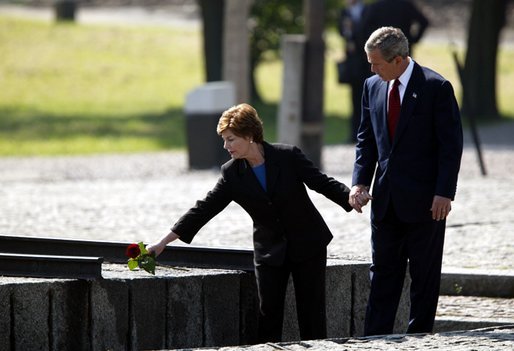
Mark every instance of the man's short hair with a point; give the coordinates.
(390, 41)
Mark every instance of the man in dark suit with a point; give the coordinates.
(290, 237)
(410, 146)
(402, 14)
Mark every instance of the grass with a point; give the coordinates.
(70, 89)
(79, 89)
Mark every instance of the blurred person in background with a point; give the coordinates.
(402, 14)
(356, 63)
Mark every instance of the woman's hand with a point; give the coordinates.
(158, 247)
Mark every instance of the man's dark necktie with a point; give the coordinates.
(394, 109)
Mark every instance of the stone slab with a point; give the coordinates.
(109, 301)
(6, 311)
(29, 317)
(185, 312)
(147, 313)
(221, 309)
(474, 282)
(69, 315)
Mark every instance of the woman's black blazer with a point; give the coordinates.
(285, 221)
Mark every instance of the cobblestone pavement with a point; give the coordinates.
(499, 310)
(139, 196)
(501, 338)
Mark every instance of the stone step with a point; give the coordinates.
(472, 312)
(477, 282)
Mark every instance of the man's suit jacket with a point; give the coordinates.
(285, 220)
(423, 160)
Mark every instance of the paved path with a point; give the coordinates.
(139, 196)
(484, 339)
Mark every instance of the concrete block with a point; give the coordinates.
(474, 282)
(69, 315)
(361, 288)
(221, 308)
(109, 314)
(236, 53)
(184, 312)
(338, 299)
(360, 294)
(29, 320)
(249, 309)
(147, 313)
(338, 303)
(210, 97)
(289, 121)
(179, 309)
(203, 107)
(5, 322)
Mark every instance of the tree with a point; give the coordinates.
(479, 73)
(269, 20)
(212, 21)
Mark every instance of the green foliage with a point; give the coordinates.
(71, 89)
(79, 89)
(144, 260)
(132, 264)
(271, 19)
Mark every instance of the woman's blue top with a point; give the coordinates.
(260, 173)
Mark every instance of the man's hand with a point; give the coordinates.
(441, 207)
(359, 197)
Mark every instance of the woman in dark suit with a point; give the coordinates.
(290, 236)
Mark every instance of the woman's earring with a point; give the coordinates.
(251, 141)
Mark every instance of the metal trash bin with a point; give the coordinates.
(203, 108)
(65, 10)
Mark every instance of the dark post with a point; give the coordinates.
(65, 10)
(469, 114)
(212, 20)
(312, 117)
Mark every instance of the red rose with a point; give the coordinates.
(133, 251)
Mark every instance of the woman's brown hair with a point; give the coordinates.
(243, 120)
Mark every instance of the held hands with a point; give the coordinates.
(359, 197)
